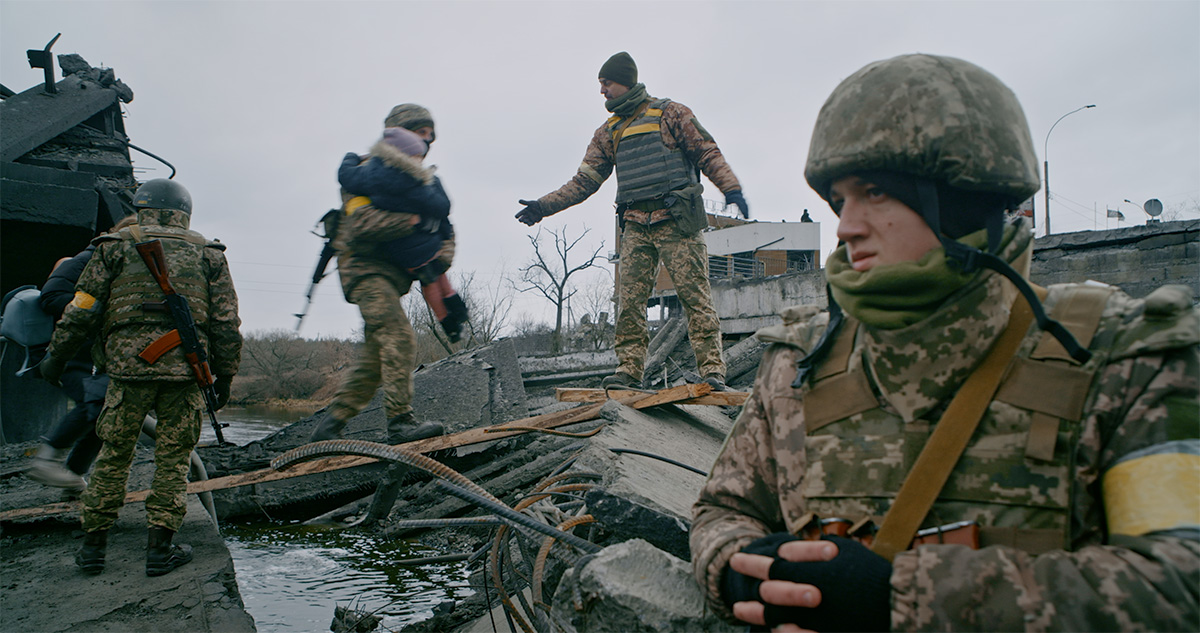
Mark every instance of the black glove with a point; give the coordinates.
(532, 213)
(223, 386)
(855, 587)
(51, 369)
(736, 197)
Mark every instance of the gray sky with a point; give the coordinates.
(256, 102)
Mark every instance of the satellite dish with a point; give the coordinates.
(1153, 207)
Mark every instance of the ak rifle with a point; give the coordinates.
(330, 223)
(184, 333)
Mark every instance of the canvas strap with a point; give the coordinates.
(949, 439)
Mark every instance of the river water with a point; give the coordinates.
(291, 575)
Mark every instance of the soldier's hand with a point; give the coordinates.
(804, 585)
(223, 386)
(737, 198)
(532, 213)
(51, 369)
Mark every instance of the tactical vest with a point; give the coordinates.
(1014, 478)
(135, 296)
(646, 168)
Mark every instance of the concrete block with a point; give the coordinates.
(634, 586)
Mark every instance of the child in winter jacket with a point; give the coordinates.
(395, 179)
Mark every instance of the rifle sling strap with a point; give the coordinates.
(949, 439)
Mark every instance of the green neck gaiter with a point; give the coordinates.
(627, 103)
(899, 295)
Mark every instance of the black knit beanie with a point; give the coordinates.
(961, 212)
(620, 69)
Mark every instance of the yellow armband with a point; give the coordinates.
(1155, 489)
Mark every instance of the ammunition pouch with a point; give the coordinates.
(687, 207)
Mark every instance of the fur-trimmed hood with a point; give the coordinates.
(393, 157)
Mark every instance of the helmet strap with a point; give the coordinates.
(970, 259)
(805, 365)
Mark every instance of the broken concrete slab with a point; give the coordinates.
(668, 432)
(37, 564)
(634, 586)
(471, 389)
(478, 387)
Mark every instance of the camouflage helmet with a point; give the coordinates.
(161, 193)
(936, 118)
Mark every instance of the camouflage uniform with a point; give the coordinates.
(388, 355)
(1084, 473)
(1142, 398)
(651, 234)
(109, 297)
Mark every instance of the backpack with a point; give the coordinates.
(23, 322)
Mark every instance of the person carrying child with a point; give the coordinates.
(394, 178)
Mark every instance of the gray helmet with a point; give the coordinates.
(161, 193)
(936, 118)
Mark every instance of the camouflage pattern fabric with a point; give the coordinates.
(192, 262)
(1143, 397)
(680, 130)
(178, 406)
(168, 386)
(359, 235)
(387, 356)
(685, 257)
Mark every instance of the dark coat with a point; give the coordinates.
(399, 183)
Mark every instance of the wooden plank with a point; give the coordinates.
(724, 398)
(636, 399)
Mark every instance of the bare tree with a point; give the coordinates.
(550, 275)
(594, 330)
(488, 307)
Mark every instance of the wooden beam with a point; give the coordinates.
(723, 398)
(636, 399)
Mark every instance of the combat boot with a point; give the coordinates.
(329, 428)
(162, 555)
(456, 316)
(716, 381)
(48, 469)
(90, 557)
(403, 429)
(619, 380)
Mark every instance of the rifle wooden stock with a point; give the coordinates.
(185, 332)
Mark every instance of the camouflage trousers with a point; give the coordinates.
(685, 257)
(388, 355)
(179, 407)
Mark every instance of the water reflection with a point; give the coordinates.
(254, 422)
(291, 576)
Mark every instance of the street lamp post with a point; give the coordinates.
(1046, 159)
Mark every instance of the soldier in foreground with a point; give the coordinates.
(1077, 494)
(119, 300)
(659, 149)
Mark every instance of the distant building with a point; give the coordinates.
(740, 250)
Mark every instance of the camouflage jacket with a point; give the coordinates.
(198, 270)
(360, 233)
(1129, 557)
(680, 129)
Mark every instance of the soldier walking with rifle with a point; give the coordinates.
(161, 300)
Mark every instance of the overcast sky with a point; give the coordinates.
(256, 102)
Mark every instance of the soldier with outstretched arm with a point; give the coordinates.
(118, 300)
(950, 447)
(659, 149)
